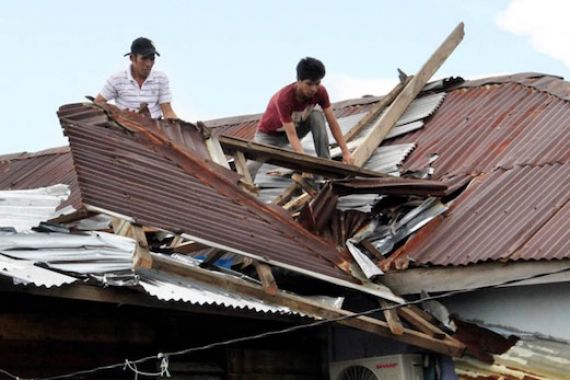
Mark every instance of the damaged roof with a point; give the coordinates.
(40, 169)
(127, 166)
(508, 137)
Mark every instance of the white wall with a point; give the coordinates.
(543, 309)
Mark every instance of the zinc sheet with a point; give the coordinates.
(139, 173)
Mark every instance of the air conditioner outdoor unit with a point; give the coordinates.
(396, 367)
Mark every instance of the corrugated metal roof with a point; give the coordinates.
(168, 287)
(26, 273)
(504, 215)
(514, 140)
(40, 169)
(480, 129)
(137, 171)
(530, 358)
(86, 253)
(99, 254)
(24, 209)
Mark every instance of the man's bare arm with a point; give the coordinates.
(337, 134)
(100, 99)
(293, 137)
(167, 111)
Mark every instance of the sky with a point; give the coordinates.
(226, 58)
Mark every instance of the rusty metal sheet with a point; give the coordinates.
(485, 128)
(389, 186)
(133, 169)
(517, 214)
(41, 169)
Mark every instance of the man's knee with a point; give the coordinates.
(317, 116)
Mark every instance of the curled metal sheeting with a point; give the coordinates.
(24, 272)
(24, 209)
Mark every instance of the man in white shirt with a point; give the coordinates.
(139, 88)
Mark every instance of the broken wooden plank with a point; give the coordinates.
(266, 277)
(306, 306)
(393, 113)
(376, 110)
(296, 161)
(392, 318)
(286, 195)
(305, 185)
(298, 202)
(189, 247)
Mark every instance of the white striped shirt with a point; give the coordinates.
(127, 94)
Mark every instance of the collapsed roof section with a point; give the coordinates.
(126, 165)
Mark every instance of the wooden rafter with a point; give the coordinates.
(444, 346)
(393, 113)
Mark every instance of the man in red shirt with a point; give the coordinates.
(291, 115)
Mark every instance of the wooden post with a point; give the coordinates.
(393, 113)
(142, 257)
(241, 167)
(392, 318)
(266, 278)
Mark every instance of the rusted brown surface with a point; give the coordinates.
(389, 186)
(128, 166)
(40, 169)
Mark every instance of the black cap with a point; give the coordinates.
(143, 46)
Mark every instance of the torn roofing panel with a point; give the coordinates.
(24, 209)
(483, 128)
(139, 172)
(518, 214)
(107, 257)
(41, 169)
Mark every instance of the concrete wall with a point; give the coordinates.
(543, 309)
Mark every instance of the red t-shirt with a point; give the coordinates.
(285, 108)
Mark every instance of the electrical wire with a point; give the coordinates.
(163, 357)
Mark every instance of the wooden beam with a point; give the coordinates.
(241, 167)
(212, 256)
(216, 152)
(421, 324)
(304, 184)
(286, 195)
(189, 247)
(296, 161)
(298, 202)
(376, 110)
(142, 257)
(120, 226)
(393, 113)
(266, 277)
(392, 318)
(306, 306)
(176, 241)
